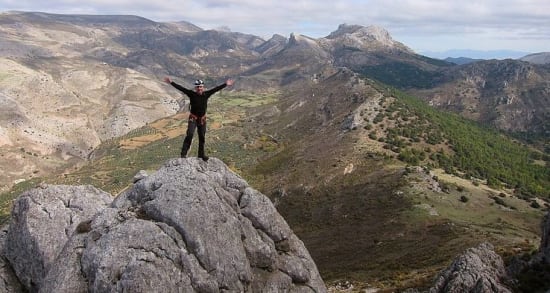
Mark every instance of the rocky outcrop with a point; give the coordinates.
(478, 269)
(8, 280)
(366, 38)
(42, 221)
(192, 226)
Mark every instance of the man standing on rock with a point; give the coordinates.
(197, 118)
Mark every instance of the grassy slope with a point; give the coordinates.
(370, 224)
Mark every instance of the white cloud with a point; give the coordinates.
(491, 24)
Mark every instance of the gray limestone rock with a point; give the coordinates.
(8, 280)
(192, 226)
(42, 221)
(66, 275)
(477, 270)
(140, 175)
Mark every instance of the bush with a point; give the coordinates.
(464, 199)
(535, 205)
(499, 201)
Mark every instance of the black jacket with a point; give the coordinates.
(198, 102)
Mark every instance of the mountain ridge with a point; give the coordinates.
(145, 50)
(537, 58)
(476, 54)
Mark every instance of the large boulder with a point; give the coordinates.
(42, 221)
(477, 270)
(192, 226)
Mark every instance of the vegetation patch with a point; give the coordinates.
(461, 147)
(401, 75)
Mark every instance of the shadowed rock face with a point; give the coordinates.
(192, 226)
(545, 239)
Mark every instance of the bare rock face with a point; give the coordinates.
(43, 219)
(8, 280)
(192, 226)
(478, 269)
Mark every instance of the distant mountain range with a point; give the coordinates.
(461, 60)
(476, 54)
(536, 58)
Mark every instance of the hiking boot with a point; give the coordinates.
(204, 158)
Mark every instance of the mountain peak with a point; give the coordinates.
(370, 32)
(364, 37)
(298, 38)
(344, 29)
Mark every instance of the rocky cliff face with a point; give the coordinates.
(190, 227)
(370, 38)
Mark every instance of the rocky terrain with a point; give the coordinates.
(506, 94)
(328, 146)
(191, 226)
(480, 269)
(57, 101)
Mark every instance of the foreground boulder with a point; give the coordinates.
(192, 226)
(42, 220)
(477, 270)
(8, 280)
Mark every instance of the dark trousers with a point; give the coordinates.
(193, 124)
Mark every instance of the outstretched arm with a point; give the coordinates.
(179, 87)
(229, 82)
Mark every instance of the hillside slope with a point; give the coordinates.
(336, 170)
(89, 78)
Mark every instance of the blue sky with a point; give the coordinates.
(422, 25)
